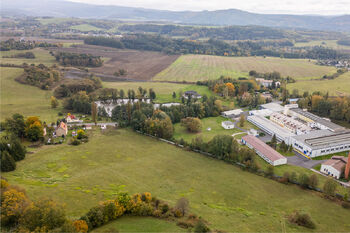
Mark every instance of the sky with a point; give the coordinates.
(322, 7)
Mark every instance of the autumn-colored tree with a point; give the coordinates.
(315, 100)
(54, 102)
(13, 204)
(182, 204)
(241, 120)
(230, 89)
(34, 129)
(81, 226)
(192, 124)
(81, 134)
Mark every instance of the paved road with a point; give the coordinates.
(92, 124)
(303, 162)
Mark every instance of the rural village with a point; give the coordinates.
(133, 125)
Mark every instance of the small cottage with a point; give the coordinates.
(61, 130)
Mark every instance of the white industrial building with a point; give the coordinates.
(282, 134)
(262, 112)
(295, 126)
(274, 107)
(232, 113)
(321, 142)
(334, 166)
(227, 124)
(264, 151)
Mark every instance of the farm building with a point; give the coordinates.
(313, 120)
(274, 107)
(264, 151)
(232, 113)
(71, 119)
(193, 94)
(227, 124)
(334, 166)
(271, 128)
(321, 142)
(61, 130)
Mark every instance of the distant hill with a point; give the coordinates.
(60, 8)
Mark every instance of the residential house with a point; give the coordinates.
(232, 113)
(192, 94)
(61, 130)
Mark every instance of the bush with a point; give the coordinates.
(200, 227)
(165, 208)
(7, 162)
(329, 187)
(345, 205)
(301, 220)
(74, 142)
(80, 226)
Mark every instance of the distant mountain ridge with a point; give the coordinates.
(61, 8)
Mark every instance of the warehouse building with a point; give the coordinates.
(274, 107)
(313, 120)
(264, 151)
(232, 113)
(282, 134)
(321, 142)
(334, 166)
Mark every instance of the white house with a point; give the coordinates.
(334, 166)
(228, 124)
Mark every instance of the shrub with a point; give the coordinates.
(80, 226)
(7, 162)
(74, 142)
(301, 220)
(329, 187)
(95, 217)
(182, 205)
(304, 180)
(345, 205)
(157, 213)
(201, 227)
(165, 208)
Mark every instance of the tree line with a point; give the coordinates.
(40, 76)
(23, 45)
(27, 55)
(73, 59)
(212, 46)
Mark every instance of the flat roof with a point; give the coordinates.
(233, 112)
(275, 107)
(228, 123)
(324, 138)
(263, 148)
(278, 130)
(318, 119)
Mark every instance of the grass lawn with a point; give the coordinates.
(42, 56)
(24, 99)
(204, 67)
(213, 122)
(335, 87)
(164, 91)
(85, 28)
(140, 224)
(229, 198)
(327, 43)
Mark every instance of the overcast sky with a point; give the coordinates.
(324, 7)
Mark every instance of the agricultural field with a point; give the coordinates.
(327, 43)
(163, 91)
(42, 56)
(140, 65)
(85, 28)
(192, 68)
(82, 176)
(24, 99)
(211, 122)
(335, 87)
(140, 224)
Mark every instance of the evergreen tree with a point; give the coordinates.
(274, 141)
(7, 162)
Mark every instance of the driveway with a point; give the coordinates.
(303, 162)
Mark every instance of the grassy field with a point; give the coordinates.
(163, 91)
(328, 43)
(140, 224)
(85, 27)
(204, 67)
(24, 99)
(42, 56)
(338, 86)
(213, 122)
(229, 198)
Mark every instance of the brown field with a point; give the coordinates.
(140, 65)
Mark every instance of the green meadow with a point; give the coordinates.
(335, 87)
(204, 67)
(24, 99)
(85, 27)
(120, 160)
(42, 56)
(163, 91)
